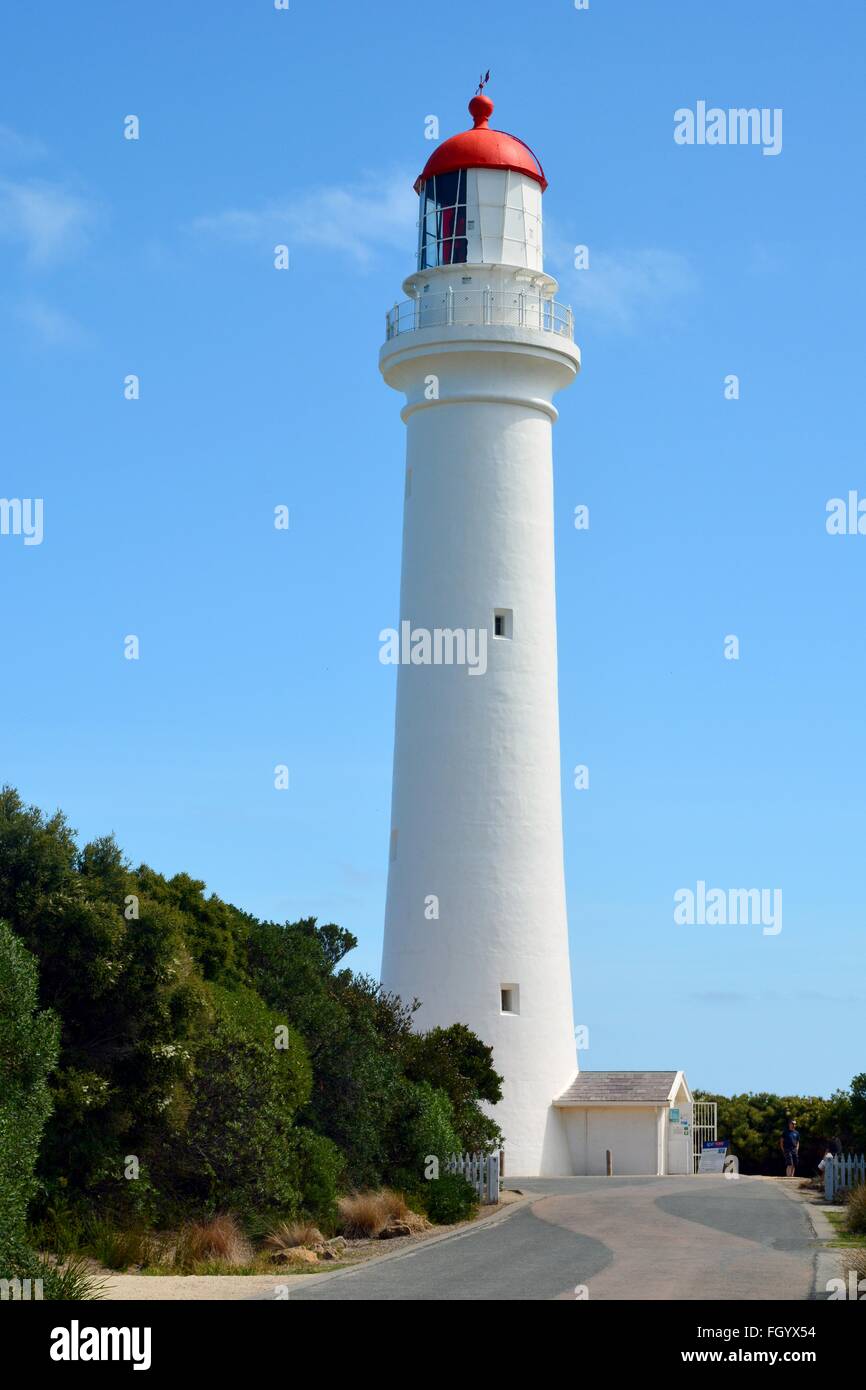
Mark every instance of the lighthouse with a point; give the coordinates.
(476, 924)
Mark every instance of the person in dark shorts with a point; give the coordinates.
(790, 1146)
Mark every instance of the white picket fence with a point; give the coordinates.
(482, 1170)
(843, 1171)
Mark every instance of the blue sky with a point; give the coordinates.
(260, 387)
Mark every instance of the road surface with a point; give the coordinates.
(685, 1238)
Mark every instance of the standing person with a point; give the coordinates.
(790, 1146)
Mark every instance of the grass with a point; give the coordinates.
(61, 1230)
(168, 1271)
(215, 1246)
(118, 1249)
(218, 1245)
(844, 1237)
(366, 1214)
(219, 1241)
(288, 1235)
(68, 1280)
(257, 1266)
(72, 1281)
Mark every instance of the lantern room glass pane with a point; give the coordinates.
(442, 239)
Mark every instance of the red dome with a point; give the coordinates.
(482, 148)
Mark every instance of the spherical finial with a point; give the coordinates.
(481, 109)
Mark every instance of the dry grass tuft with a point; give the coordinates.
(288, 1235)
(394, 1204)
(365, 1214)
(219, 1240)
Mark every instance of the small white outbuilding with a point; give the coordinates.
(642, 1118)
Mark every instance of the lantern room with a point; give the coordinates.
(480, 199)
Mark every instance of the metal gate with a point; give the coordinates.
(704, 1124)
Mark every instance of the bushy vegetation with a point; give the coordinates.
(183, 1062)
(753, 1123)
(450, 1199)
(29, 1045)
(855, 1211)
(28, 1051)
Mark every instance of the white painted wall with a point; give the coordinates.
(632, 1134)
(503, 216)
(476, 790)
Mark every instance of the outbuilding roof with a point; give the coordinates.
(628, 1087)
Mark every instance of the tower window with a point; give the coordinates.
(393, 854)
(503, 622)
(509, 999)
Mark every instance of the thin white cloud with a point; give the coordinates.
(50, 326)
(16, 148)
(48, 221)
(621, 290)
(357, 220)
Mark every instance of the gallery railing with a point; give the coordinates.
(472, 308)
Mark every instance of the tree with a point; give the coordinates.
(170, 1097)
(422, 1129)
(459, 1064)
(126, 992)
(236, 1147)
(353, 1031)
(28, 1050)
(854, 1124)
(753, 1124)
(215, 932)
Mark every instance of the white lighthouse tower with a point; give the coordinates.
(476, 923)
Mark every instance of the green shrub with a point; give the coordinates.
(450, 1198)
(237, 1148)
(353, 1029)
(28, 1050)
(320, 1169)
(855, 1211)
(455, 1061)
(422, 1130)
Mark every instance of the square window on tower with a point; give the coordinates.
(509, 999)
(503, 622)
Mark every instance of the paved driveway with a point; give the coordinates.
(649, 1238)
